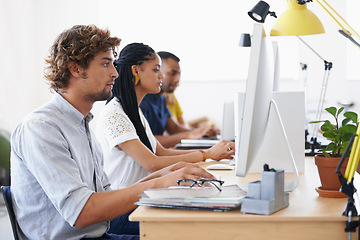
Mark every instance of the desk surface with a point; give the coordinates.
(308, 216)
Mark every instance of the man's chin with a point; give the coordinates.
(105, 96)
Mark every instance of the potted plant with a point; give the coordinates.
(339, 132)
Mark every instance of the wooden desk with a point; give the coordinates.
(308, 217)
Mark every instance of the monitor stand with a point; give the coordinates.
(289, 186)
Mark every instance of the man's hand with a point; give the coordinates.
(198, 133)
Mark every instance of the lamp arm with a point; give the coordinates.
(303, 66)
(349, 37)
(273, 14)
(328, 65)
(343, 26)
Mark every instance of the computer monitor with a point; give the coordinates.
(228, 125)
(251, 125)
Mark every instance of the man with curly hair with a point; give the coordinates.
(58, 185)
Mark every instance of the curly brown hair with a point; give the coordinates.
(79, 44)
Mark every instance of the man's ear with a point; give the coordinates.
(74, 69)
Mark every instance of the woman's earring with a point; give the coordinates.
(137, 80)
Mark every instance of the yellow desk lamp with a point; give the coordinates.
(297, 20)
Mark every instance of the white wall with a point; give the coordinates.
(28, 29)
(204, 34)
(331, 46)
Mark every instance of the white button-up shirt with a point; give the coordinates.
(54, 171)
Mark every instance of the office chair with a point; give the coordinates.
(4, 158)
(6, 191)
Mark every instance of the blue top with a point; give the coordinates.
(156, 112)
(55, 167)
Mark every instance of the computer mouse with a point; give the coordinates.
(220, 166)
(224, 161)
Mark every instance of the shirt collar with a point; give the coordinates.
(69, 110)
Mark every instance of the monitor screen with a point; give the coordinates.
(251, 128)
(228, 125)
(257, 115)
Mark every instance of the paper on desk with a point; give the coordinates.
(233, 191)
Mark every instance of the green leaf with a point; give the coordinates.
(346, 137)
(331, 110)
(353, 116)
(339, 111)
(339, 135)
(317, 121)
(345, 121)
(337, 138)
(327, 126)
(344, 146)
(330, 147)
(329, 135)
(349, 129)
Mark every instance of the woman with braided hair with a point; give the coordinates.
(131, 152)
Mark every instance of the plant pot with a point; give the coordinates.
(326, 168)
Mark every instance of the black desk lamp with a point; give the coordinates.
(260, 11)
(245, 40)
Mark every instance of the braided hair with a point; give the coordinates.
(124, 90)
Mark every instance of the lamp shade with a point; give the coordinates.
(245, 40)
(297, 20)
(259, 11)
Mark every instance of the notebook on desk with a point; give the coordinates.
(187, 146)
(202, 143)
(229, 198)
